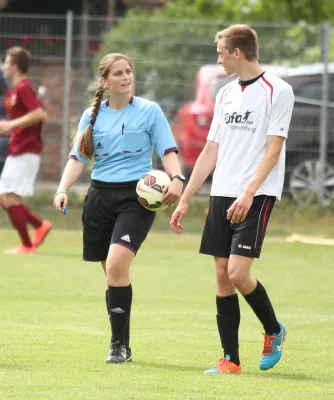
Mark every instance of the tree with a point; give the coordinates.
(293, 11)
(166, 52)
(169, 45)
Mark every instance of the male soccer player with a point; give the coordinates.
(22, 164)
(246, 146)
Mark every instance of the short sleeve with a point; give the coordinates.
(84, 121)
(281, 112)
(214, 132)
(162, 136)
(28, 97)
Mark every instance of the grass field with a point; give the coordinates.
(286, 217)
(54, 330)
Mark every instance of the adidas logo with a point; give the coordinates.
(126, 238)
(99, 146)
(117, 310)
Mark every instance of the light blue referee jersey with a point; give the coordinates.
(124, 140)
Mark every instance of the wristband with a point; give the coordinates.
(60, 191)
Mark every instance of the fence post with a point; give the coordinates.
(324, 113)
(67, 89)
(84, 18)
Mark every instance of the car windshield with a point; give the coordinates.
(218, 82)
(310, 86)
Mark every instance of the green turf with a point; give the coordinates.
(285, 219)
(54, 330)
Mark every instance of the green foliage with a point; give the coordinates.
(310, 11)
(314, 52)
(169, 45)
(166, 53)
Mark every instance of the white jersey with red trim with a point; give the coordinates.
(243, 118)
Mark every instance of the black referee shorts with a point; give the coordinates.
(112, 214)
(221, 238)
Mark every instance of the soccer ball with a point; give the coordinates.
(149, 190)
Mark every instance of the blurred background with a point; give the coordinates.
(172, 45)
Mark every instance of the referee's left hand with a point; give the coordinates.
(238, 211)
(172, 192)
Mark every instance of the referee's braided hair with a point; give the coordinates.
(86, 146)
(85, 141)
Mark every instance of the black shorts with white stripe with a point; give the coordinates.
(112, 214)
(221, 238)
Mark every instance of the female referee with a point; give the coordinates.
(119, 135)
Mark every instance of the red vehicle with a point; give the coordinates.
(191, 122)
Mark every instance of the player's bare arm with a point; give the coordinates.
(5, 127)
(238, 211)
(205, 163)
(72, 171)
(32, 118)
(173, 191)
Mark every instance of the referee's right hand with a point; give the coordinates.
(60, 202)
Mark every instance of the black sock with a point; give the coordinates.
(119, 299)
(107, 303)
(228, 321)
(108, 308)
(127, 330)
(259, 301)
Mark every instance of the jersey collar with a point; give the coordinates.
(130, 101)
(249, 82)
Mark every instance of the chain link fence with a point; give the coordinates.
(169, 56)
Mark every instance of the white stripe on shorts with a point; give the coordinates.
(258, 223)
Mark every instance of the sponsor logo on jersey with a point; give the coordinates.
(241, 122)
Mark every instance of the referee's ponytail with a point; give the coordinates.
(86, 146)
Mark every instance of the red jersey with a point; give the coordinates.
(23, 101)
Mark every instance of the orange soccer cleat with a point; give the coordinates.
(22, 250)
(225, 366)
(41, 232)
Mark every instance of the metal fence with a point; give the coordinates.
(167, 55)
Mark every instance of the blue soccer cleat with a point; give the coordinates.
(272, 349)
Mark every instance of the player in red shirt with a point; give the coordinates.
(22, 164)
